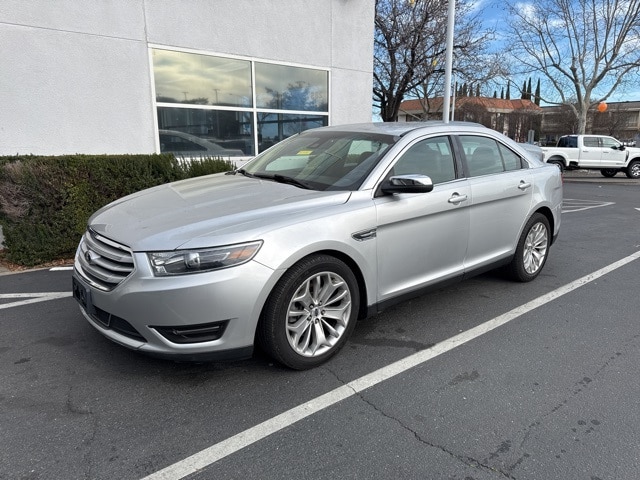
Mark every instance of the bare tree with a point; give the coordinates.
(587, 49)
(409, 48)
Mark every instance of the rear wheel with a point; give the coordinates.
(633, 170)
(310, 313)
(609, 172)
(532, 250)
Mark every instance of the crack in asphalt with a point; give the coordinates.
(578, 388)
(78, 410)
(468, 461)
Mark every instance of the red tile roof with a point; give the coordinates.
(435, 104)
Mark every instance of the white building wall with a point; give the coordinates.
(75, 75)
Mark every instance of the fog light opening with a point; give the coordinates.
(206, 332)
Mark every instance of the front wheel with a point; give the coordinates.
(633, 170)
(532, 250)
(609, 172)
(310, 313)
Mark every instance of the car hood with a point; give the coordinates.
(206, 211)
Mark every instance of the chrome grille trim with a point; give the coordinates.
(102, 262)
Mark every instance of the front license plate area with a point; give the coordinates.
(82, 294)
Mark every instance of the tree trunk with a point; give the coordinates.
(582, 109)
(389, 113)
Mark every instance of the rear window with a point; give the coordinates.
(568, 142)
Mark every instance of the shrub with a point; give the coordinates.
(45, 202)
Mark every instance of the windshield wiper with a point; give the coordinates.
(241, 171)
(284, 179)
(291, 181)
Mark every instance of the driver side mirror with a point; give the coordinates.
(412, 183)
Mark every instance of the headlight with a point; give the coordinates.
(181, 262)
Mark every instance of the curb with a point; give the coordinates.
(594, 176)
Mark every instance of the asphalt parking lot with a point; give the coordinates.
(487, 379)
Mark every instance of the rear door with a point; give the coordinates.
(590, 152)
(422, 237)
(501, 195)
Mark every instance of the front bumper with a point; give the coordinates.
(202, 316)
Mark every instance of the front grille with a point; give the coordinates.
(103, 262)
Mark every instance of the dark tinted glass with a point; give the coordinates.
(214, 132)
(273, 127)
(568, 142)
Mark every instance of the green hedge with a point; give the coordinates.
(45, 202)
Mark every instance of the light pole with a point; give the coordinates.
(448, 65)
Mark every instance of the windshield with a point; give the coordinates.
(322, 160)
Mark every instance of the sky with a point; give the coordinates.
(494, 15)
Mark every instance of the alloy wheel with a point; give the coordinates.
(535, 248)
(318, 314)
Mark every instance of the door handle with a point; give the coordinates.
(457, 199)
(524, 185)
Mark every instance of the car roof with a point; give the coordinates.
(402, 128)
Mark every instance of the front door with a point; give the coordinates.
(422, 237)
(613, 155)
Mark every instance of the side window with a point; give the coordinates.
(482, 154)
(568, 142)
(430, 157)
(608, 142)
(511, 160)
(590, 141)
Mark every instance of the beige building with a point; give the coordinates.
(514, 118)
(620, 120)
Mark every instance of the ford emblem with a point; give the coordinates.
(90, 257)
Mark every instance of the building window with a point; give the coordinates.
(291, 88)
(231, 106)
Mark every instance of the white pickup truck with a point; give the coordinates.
(595, 152)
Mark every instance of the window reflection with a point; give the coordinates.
(201, 79)
(215, 113)
(207, 132)
(291, 88)
(274, 127)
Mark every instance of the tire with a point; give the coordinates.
(633, 169)
(532, 250)
(557, 163)
(609, 172)
(310, 313)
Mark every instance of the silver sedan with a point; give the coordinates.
(324, 228)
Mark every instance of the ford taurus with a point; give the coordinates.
(324, 228)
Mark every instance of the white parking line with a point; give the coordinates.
(570, 205)
(32, 298)
(248, 437)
